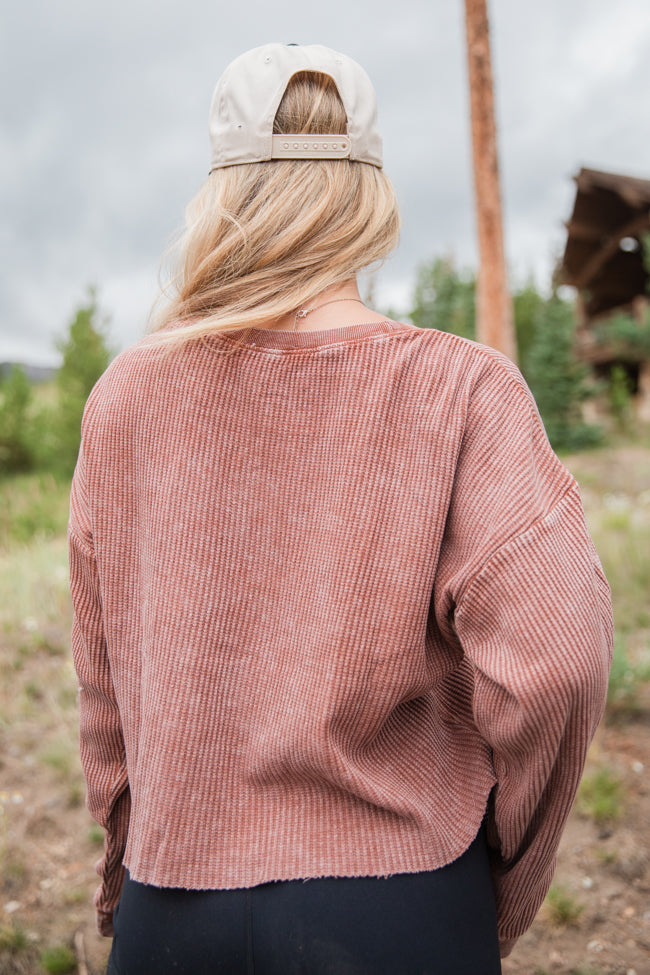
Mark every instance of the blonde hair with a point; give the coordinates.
(261, 239)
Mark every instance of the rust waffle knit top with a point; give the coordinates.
(334, 598)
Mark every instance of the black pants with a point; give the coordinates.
(438, 923)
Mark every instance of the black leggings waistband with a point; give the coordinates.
(438, 923)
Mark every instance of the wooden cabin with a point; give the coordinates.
(606, 260)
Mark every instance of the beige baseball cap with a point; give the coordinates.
(250, 90)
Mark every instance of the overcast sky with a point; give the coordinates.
(104, 133)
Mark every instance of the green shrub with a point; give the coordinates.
(628, 338)
(96, 834)
(601, 796)
(625, 682)
(619, 393)
(13, 939)
(562, 908)
(17, 954)
(58, 960)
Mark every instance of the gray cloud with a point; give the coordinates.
(104, 132)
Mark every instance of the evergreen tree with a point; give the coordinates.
(528, 304)
(557, 380)
(15, 401)
(445, 298)
(85, 357)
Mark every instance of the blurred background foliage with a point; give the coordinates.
(444, 298)
(40, 426)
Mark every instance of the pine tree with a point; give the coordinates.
(85, 357)
(528, 304)
(15, 401)
(445, 298)
(557, 380)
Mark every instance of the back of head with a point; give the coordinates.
(262, 238)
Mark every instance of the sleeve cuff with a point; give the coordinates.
(105, 923)
(505, 947)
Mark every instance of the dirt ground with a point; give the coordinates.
(605, 869)
(48, 889)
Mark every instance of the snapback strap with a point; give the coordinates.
(310, 147)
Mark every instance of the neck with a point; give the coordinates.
(332, 308)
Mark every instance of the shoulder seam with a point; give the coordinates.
(513, 539)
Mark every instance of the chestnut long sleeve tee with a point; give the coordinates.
(334, 598)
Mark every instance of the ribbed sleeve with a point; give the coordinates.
(101, 743)
(534, 623)
(334, 599)
(520, 586)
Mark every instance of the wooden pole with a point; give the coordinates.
(494, 315)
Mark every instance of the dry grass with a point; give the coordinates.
(601, 796)
(561, 907)
(32, 506)
(615, 486)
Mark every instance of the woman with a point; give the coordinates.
(341, 634)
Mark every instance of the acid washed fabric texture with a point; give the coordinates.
(334, 598)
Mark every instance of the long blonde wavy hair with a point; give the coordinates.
(262, 239)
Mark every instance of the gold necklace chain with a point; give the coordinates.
(303, 312)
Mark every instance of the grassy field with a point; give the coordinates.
(48, 842)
